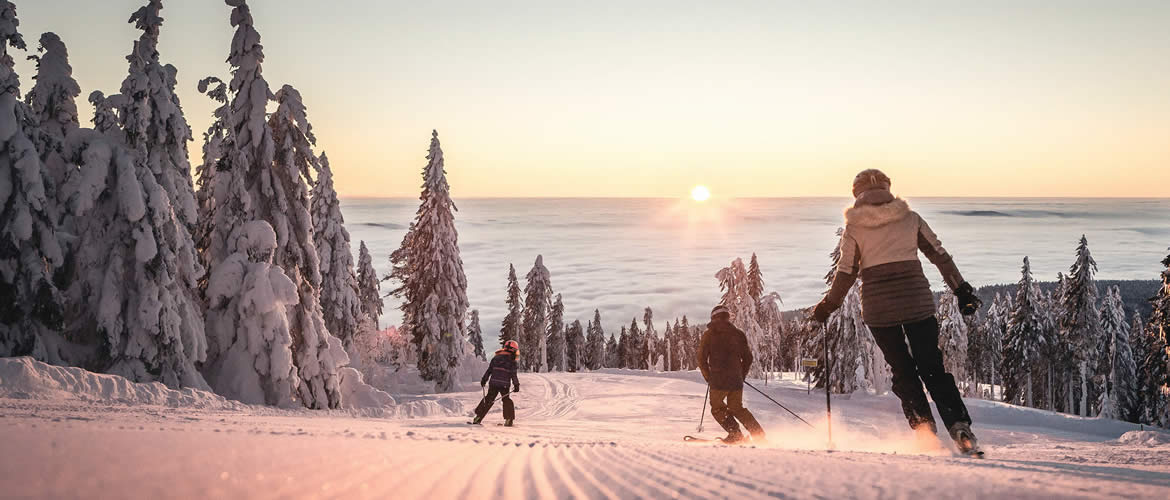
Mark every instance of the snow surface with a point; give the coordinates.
(612, 433)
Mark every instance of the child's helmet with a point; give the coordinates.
(512, 346)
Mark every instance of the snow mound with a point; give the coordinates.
(1145, 438)
(26, 378)
(356, 394)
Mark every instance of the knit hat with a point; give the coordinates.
(870, 179)
(719, 309)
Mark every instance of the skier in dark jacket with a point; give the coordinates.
(501, 371)
(880, 245)
(724, 360)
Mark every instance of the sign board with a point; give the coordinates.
(808, 362)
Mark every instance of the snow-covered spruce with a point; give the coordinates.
(574, 347)
(249, 302)
(53, 109)
(1024, 342)
(735, 284)
(651, 346)
(556, 336)
(369, 290)
(136, 266)
(537, 302)
(263, 175)
(512, 326)
(30, 304)
(475, 334)
(593, 355)
(1121, 398)
(340, 303)
(1080, 323)
(1154, 370)
(284, 202)
(432, 285)
(635, 357)
(215, 143)
(952, 336)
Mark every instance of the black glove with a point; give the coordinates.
(482, 383)
(821, 312)
(968, 301)
(516, 388)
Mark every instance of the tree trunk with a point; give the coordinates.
(1084, 392)
(1028, 391)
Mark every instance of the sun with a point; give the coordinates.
(700, 193)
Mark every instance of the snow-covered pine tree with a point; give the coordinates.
(537, 301)
(512, 327)
(31, 308)
(1081, 323)
(556, 336)
(613, 353)
(136, 270)
(248, 311)
(53, 109)
(574, 346)
(152, 118)
(690, 354)
(1121, 399)
(671, 357)
(340, 302)
(735, 285)
(636, 347)
(475, 335)
(623, 349)
(994, 331)
(1025, 341)
(652, 348)
(433, 285)
(595, 343)
(952, 337)
(283, 200)
(755, 286)
(1155, 365)
(215, 143)
(369, 289)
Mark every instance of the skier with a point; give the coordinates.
(501, 371)
(880, 244)
(724, 360)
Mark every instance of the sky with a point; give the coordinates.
(650, 98)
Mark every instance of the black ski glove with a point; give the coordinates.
(821, 312)
(516, 388)
(968, 301)
(483, 383)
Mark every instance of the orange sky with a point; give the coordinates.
(752, 98)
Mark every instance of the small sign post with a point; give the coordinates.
(808, 363)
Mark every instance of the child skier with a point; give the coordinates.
(501, 371)
(724, 360)
(880, 244)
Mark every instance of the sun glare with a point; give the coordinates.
(700, 193)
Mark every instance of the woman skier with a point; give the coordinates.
(501, 371)
(880, 245)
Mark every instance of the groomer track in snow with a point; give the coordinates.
(608, 434)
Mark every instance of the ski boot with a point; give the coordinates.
(965, 439)
(508, 423)
(734, 437)
(478, 420)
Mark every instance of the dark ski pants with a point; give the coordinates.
(727, 407)
(920, 363)
(486, 404)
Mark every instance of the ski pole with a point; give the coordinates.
(704, 413)
(828, 372)
(778, 404)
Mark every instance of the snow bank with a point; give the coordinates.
(26, 378)
(356, 394)
(1145, 438)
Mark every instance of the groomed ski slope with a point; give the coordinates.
(612, 434)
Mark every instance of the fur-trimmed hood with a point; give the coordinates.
(866, 215)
